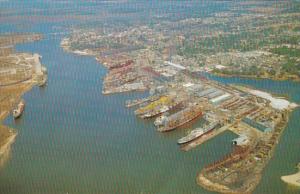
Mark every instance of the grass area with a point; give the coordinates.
(296, 29)
(289, 52)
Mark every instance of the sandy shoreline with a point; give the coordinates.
(11, 95)
(10, 140)
(293, 179)
(6, 145)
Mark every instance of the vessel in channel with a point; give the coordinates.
(17, 112)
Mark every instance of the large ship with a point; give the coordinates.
(155, 112)
(162, 109)
(197, 133)
(180, 118)
(17, 112)
(155, 105)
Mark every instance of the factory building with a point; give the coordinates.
(220, 99)
(206, 92)
(256, 125)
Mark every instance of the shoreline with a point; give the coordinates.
(6, 147)
(127, 84)
(12, 91)
(9, 141)
(86, 52)
(254, 77)
(4, 129)
(292, 179)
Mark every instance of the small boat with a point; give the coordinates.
(17, 112)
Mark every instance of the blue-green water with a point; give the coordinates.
(72, 139)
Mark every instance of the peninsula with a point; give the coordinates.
(172, 63)
(19, 72)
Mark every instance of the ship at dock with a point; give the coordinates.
(17, 112)
(136, 102)
(161, 109)
(178, 119)
(197, 133)
(157, 107)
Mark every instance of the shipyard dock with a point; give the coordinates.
(256, 117)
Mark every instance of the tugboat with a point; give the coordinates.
(17, 112)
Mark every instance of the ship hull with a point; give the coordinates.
(17, 113)
(157, 113)
(166, 129)
(195, 138)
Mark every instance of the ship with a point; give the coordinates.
(159, 120)
(163, 100)
(197, 133)
(180, 118)
(17, 112)
(136, 102)
(160, 110)
(155, 112)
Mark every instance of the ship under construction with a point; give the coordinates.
(156, 107)
(180, 118)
